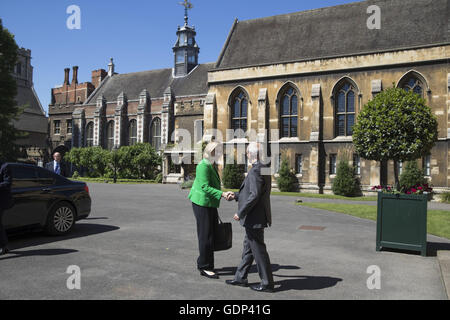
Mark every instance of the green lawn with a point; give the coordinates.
(438, 220)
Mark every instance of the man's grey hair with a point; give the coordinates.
(253, 150)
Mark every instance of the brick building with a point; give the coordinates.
(116, 110)
(65, 99)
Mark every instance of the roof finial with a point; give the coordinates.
(187, 6)
(111, 68)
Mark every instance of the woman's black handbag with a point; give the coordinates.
(223, 236)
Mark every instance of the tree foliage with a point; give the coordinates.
(9, 110)
(396, 125)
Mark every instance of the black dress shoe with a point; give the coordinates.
(4, 251)
(261, 288)
(214, 276)
(237, 283)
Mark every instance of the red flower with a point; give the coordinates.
(409, 192)
(413, 190)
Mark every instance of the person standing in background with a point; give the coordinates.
(57, 166)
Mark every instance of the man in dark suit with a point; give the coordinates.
(5, 202)
(254, 214)
(57, 166)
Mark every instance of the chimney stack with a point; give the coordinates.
(98, 76)
(66, 76)
(111, 68)
(75, 75)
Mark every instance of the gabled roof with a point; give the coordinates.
(155, 82)
(132, 84)
(336, 31)
(195, 83)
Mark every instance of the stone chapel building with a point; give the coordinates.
(308, 74)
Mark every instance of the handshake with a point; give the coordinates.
(229, 196)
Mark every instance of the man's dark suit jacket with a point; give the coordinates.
(5, 187)
(254, 199)
(64, 169)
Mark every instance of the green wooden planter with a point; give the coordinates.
(402, 222)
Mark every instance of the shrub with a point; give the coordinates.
(75, 175)
(445, 197)
(187, 184)
(412, 176)
(287, 181)
(233, 176)
(346, 182)
(100, 159)
(139, 161)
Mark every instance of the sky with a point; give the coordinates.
(138, 34)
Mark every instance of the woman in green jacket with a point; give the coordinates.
(205, 196)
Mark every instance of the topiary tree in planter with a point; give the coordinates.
(396, 125)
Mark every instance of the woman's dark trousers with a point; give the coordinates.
(207, 219)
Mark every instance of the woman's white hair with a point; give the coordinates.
(210, 148)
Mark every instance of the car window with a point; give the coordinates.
(46, 177)
(24, 177)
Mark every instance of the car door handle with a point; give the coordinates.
(46, 190)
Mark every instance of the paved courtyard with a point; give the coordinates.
(140, 243)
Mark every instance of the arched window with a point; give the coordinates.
(132, 133)
(90, 134)
(155, 133)
(289, 113)
(109, 137)
(345, 102)
(411, 82)
(239, 108)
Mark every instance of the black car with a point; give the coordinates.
(46, 200)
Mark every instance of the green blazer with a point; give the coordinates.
(206, 190)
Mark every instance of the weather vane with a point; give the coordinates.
(187, 6)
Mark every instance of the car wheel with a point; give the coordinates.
(61, 219)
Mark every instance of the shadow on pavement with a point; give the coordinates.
(432, 249)
(230, 271)
(304, 283)
(31, 239)
(291, 282)
(45, 252)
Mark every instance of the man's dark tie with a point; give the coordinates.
(57, 168)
